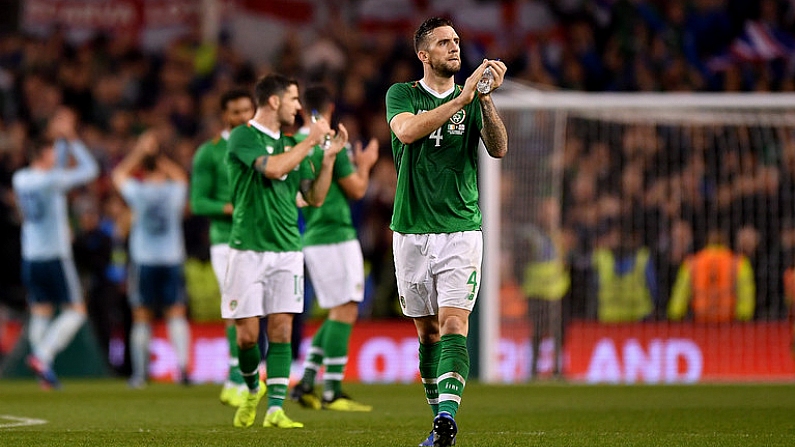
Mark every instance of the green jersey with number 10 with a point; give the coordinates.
(265, 216)
(437, 175)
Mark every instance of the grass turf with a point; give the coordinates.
(107, 413)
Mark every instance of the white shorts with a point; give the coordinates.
(437, 270)
(219, 255)
(337, 272)
(262, 283)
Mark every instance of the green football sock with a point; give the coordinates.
(314, 358)
(233, 375)
(249, 366)
(335, 346)
(453, 372)
(277, 362)
(429, 364)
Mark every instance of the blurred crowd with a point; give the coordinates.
(120, 90)
(655, 196)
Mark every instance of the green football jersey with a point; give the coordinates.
(209, 187)
(437, 176)
(265, 216)
(330, 223)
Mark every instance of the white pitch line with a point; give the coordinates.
(19, 421)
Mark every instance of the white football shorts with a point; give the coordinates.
(219, 256)
(337, 272)
(437, 270)
(262, 283)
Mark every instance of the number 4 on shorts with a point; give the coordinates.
(472, 281)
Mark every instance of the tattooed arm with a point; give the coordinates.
(494, 135)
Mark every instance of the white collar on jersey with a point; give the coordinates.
(265, 130)
(225, 134)
(434, 92)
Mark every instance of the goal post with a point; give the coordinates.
(594, 179)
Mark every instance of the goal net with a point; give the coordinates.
(639, 238)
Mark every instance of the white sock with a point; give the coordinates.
(179, 336)
(140, 335)
(37, 326)
(59, 334)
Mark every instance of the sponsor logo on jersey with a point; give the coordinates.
(456, 129)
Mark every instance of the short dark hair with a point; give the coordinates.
(422, 33)
(37, 147)
(233, 95)
(272, 84)
(318, 97)
(149, 162)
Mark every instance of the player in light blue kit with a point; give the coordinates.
(157, 251)
(48, 270)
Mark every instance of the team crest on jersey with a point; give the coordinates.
(269, 149)
(459, 117)
(456, 125)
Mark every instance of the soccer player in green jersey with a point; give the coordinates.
(339, 285)
(265, 269)
(210, 196)
(438, 246)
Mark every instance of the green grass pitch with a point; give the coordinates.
(107, 413)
